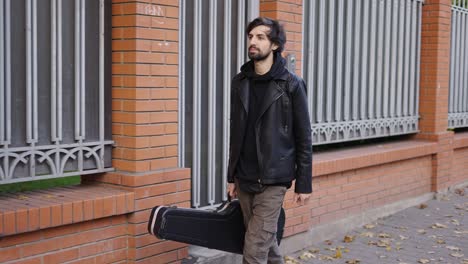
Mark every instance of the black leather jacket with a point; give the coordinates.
(282, 131)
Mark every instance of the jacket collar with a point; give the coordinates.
(272, 94)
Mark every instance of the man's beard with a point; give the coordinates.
(259, 56)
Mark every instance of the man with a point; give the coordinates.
(270, 139)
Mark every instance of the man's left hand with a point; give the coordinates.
(301, 198)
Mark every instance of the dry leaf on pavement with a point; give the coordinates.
(421, 231)
(453, 248)
(348, 239)
(307, 255)
(369, 226)
(338, 253)
(367, 234)
(424, 261)
(290, 260)
(384, 235)
(422, 206)
(438, 225)
(403, 237)
(314, 250)
(457, 255)
(440, 241)
(353, 261)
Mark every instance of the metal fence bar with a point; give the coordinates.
(465, 84)
(321, 62)
(241, 54)
(380, 60)
(34, 72)
(59, 134)
(394, 8)
(181, 101)
(372, 60)
(226, 92)
(196, 105)
(364, 67)
(330, 62)
(401, 29)
(101, 80)
(413, 58)
(310, 69)
(347, 82)
(462, 65)
(339, 62)
(77, 70)
(29, 73)
(406, 77)
(53, 72)
(357, 56)
(7, 74)
(2, 73)
(418, 6)
(83, 69)
(212, 104)
(388, 32)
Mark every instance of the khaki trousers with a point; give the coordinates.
(261, 212)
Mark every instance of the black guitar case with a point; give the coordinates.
(221, 229)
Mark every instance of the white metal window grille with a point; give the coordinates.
(212, 49)
(54, 89)
(458, 91)
(361, 65)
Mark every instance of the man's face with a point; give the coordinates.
(260, 47)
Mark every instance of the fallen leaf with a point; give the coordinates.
(384, 235)
(440, 241)
(353, 261)
(314, 250)
(461, 232)
(455, 222)
(402, 228)
(422, 206)
(383, 243)
(338, 253)
(424, 261)
(49, 196)
(383, 256)
(326, 258)
(430, 252)
(369, 226)
(388, 248)
(438, 225)
(421, 231)
(348, 239)
(290, 260)
(457, 255)
(328, 242)
(460, 192)
(367, 234)
(465, 261)
(371, 243)
(453, 248)
(403, 237)
(307, 256)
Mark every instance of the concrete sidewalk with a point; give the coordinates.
(435, 231)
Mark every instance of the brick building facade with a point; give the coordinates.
(105, 220)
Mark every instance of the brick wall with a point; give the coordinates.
(144, 111)
(289, 14)
(99, 241)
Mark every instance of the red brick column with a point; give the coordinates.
(145, 120)
(289, 14)
(434, 86)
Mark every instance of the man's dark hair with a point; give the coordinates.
(276, 34)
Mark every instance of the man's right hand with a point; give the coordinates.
(232, 192)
